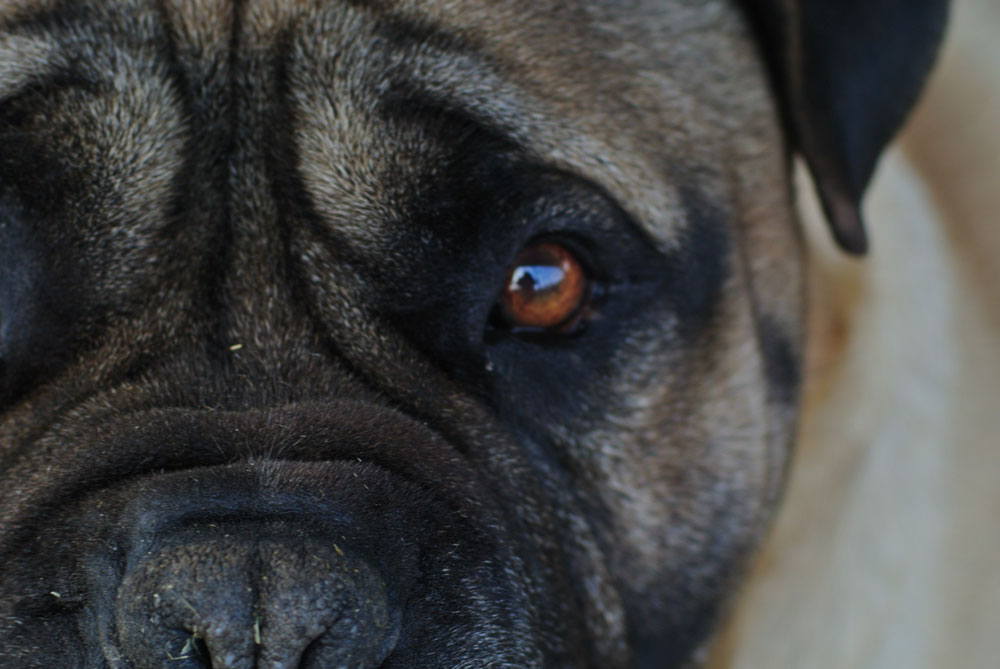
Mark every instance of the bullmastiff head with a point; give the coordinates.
(429, 333)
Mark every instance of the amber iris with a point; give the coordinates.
(547, 289)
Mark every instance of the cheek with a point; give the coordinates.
(680, 473)
(688, 451)
(698, 433)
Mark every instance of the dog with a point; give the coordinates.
(411, 334)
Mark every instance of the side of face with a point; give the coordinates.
(253, 260)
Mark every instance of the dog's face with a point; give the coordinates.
(417, 334)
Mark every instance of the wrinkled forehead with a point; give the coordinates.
(637, 97)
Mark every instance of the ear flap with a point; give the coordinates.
(847, 72)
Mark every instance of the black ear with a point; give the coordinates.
(847, 72)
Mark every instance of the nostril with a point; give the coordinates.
(310, 657)
(185, 650)
(201, 653)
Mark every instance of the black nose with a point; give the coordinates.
(254, 596)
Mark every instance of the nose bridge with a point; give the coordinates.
(232, 188)
(258, 283)
(227, 74)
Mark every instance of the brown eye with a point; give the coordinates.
(547, 289)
